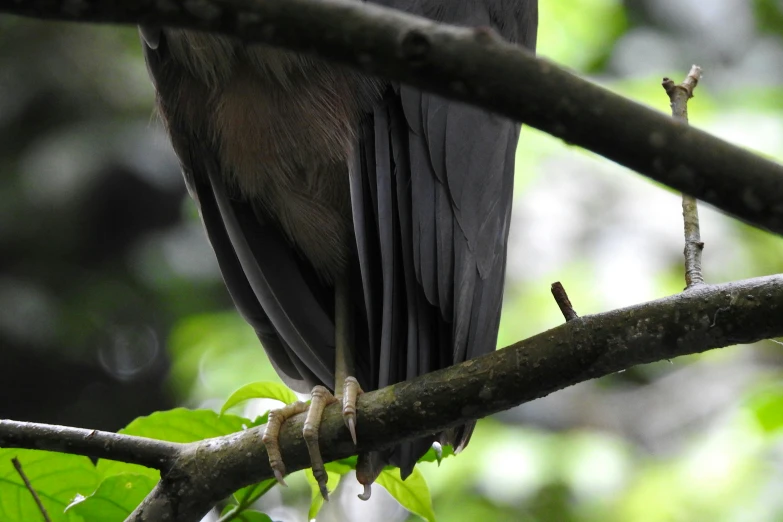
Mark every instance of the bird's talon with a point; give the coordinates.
(279, 478)
(351, 422)
(320, 475)
(351, 390)
(367, 492)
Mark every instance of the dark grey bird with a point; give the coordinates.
(360, 225)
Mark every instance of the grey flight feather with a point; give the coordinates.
(454, 166)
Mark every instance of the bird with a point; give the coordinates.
(360, 225)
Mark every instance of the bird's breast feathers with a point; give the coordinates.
(284, 127)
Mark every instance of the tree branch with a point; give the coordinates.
(581, 349)
(151, 453)
(679, 96)
(472, 66)
(196, 476)
(563, 302)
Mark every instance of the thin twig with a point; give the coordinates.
(561, 298)
(31, 489)
(679, 96)
(693, 243)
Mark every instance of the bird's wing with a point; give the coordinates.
(431, 187)
(274, 291)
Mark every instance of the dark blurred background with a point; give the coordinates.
(111, 305)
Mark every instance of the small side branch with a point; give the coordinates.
(693, 243)
(31, 489)
(151, 453)
(561, 298)
(679, 96)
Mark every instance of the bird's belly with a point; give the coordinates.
(284, 126)
(287, 149)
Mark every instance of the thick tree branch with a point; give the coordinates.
(581, 349)
(472, 66)
(196, 476)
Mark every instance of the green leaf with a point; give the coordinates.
(767, 406)
(183, 425)
(245, 515)
(316, 500)
(254, 516)
(412, 493)
(342, 466)
(57, 478)
(260, 390)
(177, 425)
(115, 498)
(260, 420)
(249, 494)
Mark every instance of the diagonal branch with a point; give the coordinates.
(472, 66)
(584, 348)
(197, 475)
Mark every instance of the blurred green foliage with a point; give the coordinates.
(115, 309)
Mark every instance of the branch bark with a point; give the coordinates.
(679, 96)
(471, 66)
(151, 453)
(197, 475)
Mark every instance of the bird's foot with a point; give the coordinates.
(320, 398)
(271, 438)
